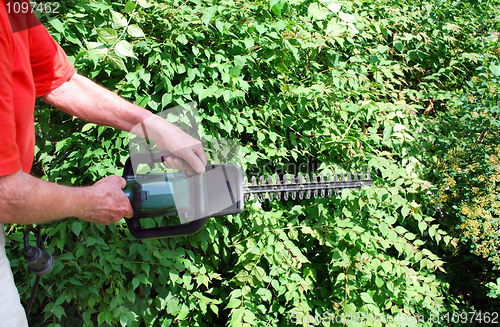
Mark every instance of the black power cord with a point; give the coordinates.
(32, 297)
(39, 261)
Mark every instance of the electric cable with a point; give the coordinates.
(32, 297)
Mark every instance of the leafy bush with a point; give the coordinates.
(291, 81)
(466, 171)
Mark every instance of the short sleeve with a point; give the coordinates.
(50, 65)
(9, 150)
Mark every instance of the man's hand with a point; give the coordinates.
(107, 202)
(188, 153)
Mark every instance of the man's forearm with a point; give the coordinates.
(25, 199)
(83, 98)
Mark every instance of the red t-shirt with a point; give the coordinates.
(31, 65)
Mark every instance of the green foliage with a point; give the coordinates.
(290, 81)
(494, 289)
(466, 172)
(469, 196)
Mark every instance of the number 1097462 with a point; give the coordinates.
(40, 7)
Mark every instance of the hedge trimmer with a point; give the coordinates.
(220, 191)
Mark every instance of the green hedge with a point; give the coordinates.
(290, 81)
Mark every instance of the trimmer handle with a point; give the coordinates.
(195, 184)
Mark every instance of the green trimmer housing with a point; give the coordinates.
(218, 192)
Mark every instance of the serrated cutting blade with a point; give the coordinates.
(305, 186)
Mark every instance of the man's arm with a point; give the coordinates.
(83, 98)
(25, 199)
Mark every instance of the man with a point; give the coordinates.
(33, 65)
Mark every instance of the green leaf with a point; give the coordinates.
(234, 303)
(101, 317)
(399, 46)
(390, 220)
(135, 31)
(124, 320)
(387, 266)
(405, 210)
(166, 99)
(118, 18)
(374, 59)
(235, 71)
(432, 231)
(124, 49)
(98, 49)
(67, 256)
(422, 226)
(249, 43)
(181, 38)
(174, 276)
(77, 228)
(236, 317)
(275, 6)
(145, 268)
(75, 281)
(107, 35)
(495, 69)
(58, 311)
(144, 3)
(240, 61)
(317, 12)
(249, 317)
(129, 7)
(261, 28)
(135, 282)
(208, 15)
(56, 23)
(116, 61)
(366, 297)
(334, 28)
(215, 309)
(410, 236)
(60, 145)
(88, 126)
(72, 37)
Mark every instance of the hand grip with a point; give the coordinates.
(136, 229)
(195, 184)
